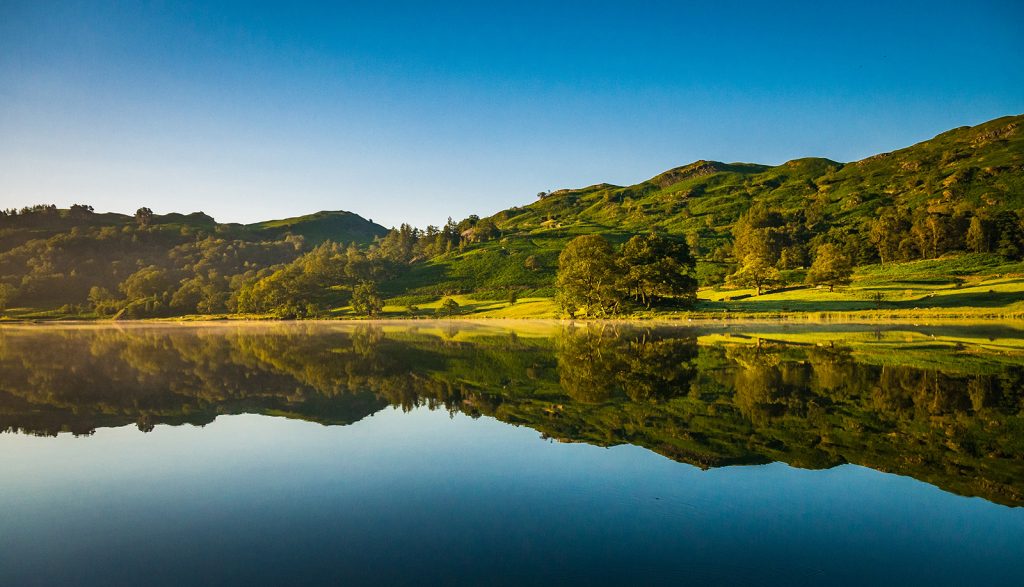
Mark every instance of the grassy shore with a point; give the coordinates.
(938, 290)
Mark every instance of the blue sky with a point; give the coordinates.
(417, 111)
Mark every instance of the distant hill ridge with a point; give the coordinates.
(979, 167)
(337, 225)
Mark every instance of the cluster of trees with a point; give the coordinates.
(596, 280)
(135, 267)
(768, 242)
(407, 244)
(900, 235)
(37, 210)
(155, 271)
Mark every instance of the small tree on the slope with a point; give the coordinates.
(978, 238)
(144, 216)
(587, 278)
(757, 272)
(831, 267)
(448, 307)
(365, 299)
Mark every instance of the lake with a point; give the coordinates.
(435, 453)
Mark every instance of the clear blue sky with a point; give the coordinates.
(422, 110)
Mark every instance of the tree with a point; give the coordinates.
(99, 297)
(887, 233)
(978, 238)
(586, 277)
(934, 235)
(652, 266)
(831, 267)
(448, 307)
(755, 271)
(693, 241)
(80, 211)
(1011, 236)
(7, 293)
(187, 298)
(760, 231)
(147, 282)
(366, 300)
(143, 216)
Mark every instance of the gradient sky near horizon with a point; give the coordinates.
(416, 111)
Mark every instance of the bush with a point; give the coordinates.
(448, 307)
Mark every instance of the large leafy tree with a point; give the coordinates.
(760, 231)
(586, 278)
(757, 272)
(147, 282)
(365, 299)
(831, 267)
(655, 267)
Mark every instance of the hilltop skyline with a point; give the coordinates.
(253, 114)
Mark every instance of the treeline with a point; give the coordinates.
(107, 268)
(766, 243)
(81, 262)
(331, 275)
(407, 244)
(900, 235)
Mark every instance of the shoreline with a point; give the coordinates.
(845, 319)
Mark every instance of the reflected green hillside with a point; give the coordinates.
(942, 405)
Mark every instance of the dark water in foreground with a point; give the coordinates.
(482, 455)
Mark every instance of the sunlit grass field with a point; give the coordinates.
(963, 287)
(960, 287)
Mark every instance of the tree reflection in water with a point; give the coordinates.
(948, 414)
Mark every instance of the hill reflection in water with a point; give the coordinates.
(940, 405)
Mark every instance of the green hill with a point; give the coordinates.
(969, 168)
(52, 258)
(338, 226)
(965, 172)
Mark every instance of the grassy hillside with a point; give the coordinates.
(976, 168)
(968, 170)
(338, 226)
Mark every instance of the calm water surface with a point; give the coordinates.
(543, 454)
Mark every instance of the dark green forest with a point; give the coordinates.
(807, 221)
